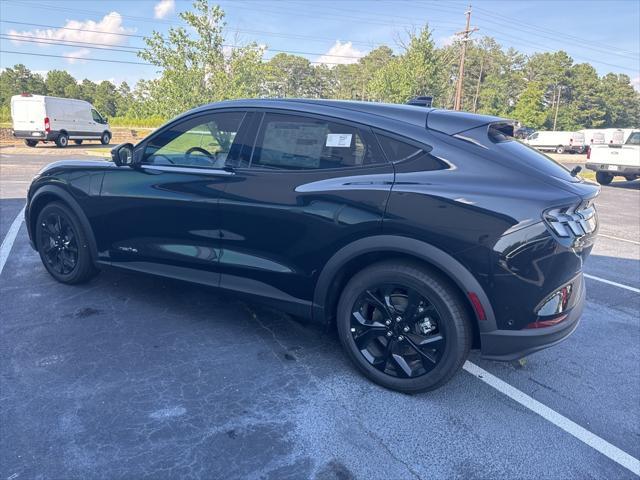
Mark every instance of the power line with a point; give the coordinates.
(47, 41)
(77, 58)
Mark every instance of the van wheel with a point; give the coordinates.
(62, 245)
(78, 142)
(559, 149)
(604, 178)
(30, 143)
(62, 140)
(403, 327)
(105, 138)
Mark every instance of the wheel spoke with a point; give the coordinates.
(418, 342)
(402, 365)
(363, 339)
(413, 301)
(377, 302)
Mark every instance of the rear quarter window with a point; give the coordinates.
(398, 150)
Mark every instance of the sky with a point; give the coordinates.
(605, 33)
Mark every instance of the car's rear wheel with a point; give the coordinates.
(404, 326)
(62, 140)
(105, 138)
(30, 143)
(62, 245)
(559, 149)
(78, 142)
(604, 178)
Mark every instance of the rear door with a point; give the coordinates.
(308, 186)
(162, 217)
(27, 114)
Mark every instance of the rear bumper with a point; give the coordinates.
(34, 135)
(619, 170)
(506, 345)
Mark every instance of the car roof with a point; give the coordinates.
(411, 114)
(445, 121)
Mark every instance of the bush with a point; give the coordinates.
(150, 122)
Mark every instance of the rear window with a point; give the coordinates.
(634, 139)
(498, 139)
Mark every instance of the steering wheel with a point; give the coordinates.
(209, 156)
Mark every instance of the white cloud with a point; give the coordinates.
(82, 31)
(77, 55)
(164, 8)
(636, 83)
(446, 40)
(343, 53)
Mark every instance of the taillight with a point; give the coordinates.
(47, 125)
(588, 153)
(568, 222)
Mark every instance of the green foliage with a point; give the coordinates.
(196, 68)
(530, 107)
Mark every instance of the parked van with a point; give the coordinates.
(560, 142)
(38, 118)
(618, 136)
(594, 136)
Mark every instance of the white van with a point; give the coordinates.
(594, 136)
(560, 141)
(37, 118)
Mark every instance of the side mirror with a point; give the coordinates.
(106, 120)
(122, 155)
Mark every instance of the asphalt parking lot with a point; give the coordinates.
(139, 377)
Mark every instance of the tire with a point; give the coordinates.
(604, 178)
(388, 356)
(30, 143)
(105, 138)
(630, 178)
(559, 149)
(58, 233)
(78, 142)
(62, 140)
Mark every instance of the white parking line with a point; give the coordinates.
(618, 238)
(8, 240)
(615, 284)
(614, 453)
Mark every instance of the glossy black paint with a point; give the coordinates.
(288, 237)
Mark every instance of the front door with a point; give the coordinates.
(161, 217)
(308, 186)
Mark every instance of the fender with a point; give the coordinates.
(72, 203)
(410, 246)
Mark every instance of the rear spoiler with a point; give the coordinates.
(451, 122)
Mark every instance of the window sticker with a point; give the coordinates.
(338, 140)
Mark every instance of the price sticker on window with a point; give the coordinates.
(338, 140)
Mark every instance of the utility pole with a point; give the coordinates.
(465, 38)
(555, 117)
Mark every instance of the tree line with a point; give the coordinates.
(196, 66)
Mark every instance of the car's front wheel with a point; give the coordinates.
(404, 326)
(62, 245)
(604, 178)
(105, 138)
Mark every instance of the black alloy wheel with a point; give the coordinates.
(397, 330)
(59, 243)
(62, 245)
(404, 326)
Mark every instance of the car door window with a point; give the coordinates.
(296, 142)
(96, 116)
(203, 141)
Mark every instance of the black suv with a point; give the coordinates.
(420, 233)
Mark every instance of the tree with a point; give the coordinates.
(418, 71)
(106, 98)
(530, 107)
(17, 80)
(60, 83)
(195, 67)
